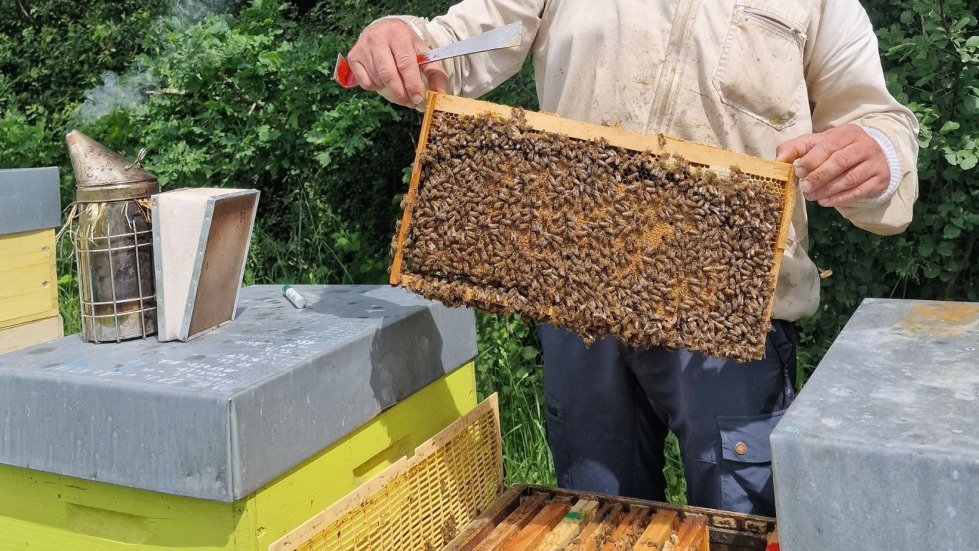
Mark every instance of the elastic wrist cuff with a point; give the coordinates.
(893, 164)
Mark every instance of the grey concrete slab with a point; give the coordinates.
(29, 199)
(222, 415)
(881, 448)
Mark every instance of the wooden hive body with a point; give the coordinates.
(30, 210)
(449, 495)
(653, 239)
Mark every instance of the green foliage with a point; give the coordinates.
(247, 100)
(509, 363)
(931, 55)
(68, 304)
(934, 55)
(676, 484)
(349, 17)
(52, 51)
(24, 144)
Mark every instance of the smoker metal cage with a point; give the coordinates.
(114, 255)
(653, 239)
(113, 242)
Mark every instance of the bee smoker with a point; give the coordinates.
(114, 242)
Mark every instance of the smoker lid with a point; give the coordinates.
(96, 165)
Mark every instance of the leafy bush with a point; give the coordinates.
(24, 144)
(247, 101)
(930, 51)
(50, 53)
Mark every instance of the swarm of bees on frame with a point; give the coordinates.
(597, 239)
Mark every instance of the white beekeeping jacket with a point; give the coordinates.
(741, 75)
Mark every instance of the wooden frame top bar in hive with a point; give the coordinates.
(652, 239)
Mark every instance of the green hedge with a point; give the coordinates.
(931, 58)
(245, 98)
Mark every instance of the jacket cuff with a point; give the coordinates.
(893, 165)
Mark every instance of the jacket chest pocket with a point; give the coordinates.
(760, 68)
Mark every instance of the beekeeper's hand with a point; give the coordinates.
(837, 166)
(384, 59)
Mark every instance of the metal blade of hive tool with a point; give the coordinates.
(506, 36)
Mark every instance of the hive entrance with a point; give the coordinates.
(591, 234)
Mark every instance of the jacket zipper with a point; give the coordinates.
(666, 82)
(773, 22)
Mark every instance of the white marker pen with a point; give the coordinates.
(294, 297)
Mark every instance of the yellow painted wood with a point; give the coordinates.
(28, 283)
(661, 143)
(47, 511)
(450, 478)
(31, 333)
(42, 511)
(336, 472)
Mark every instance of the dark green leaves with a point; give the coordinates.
(931, 56)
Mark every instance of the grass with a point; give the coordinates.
(509, 363)
(68, 286)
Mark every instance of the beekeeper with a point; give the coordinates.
(798, 81)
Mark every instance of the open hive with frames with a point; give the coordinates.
(654, 240)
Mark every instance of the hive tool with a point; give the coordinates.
(506, 36)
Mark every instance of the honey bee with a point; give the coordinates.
(510, 219)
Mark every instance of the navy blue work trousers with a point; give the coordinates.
(609, 407)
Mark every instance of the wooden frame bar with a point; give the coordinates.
(716, 159)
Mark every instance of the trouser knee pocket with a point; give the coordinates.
(746, 463)
(557, 440)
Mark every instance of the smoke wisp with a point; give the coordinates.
(129, 89)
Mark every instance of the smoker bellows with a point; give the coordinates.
(651, 239)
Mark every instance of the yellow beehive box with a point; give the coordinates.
(449, 495)
(230, 440)
(28, 284)
(43, 511)
(421, 502)
(30, 333)
(29, 212)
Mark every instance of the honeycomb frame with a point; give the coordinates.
(421, 501)
(709, 168)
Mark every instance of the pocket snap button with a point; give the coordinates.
(740, 448)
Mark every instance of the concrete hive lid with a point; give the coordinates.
(225, 414)
(879, 451)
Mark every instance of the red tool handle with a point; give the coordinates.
(343, 75)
